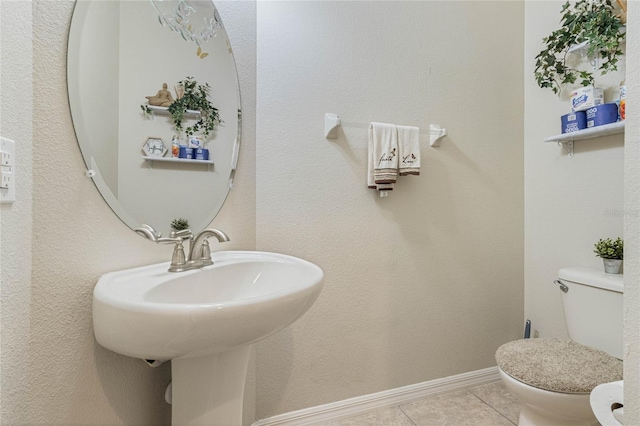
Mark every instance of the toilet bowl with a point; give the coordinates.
(553, 378)
(542, 407)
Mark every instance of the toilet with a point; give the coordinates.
(552, 378)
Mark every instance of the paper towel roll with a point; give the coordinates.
(604, 398)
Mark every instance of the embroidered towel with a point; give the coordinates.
(383, 155)
(409, 150)
(370, 179)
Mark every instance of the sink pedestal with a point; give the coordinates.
(208, 391)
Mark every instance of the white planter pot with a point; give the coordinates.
(612, 266)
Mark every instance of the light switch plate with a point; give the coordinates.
(7, 169)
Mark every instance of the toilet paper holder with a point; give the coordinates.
(607, 402)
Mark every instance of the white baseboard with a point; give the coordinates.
(389, 398)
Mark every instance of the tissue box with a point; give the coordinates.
(574, 121)
(586, 97)
(602, 114)
(195, 142)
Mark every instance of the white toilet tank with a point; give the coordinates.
(593, 308)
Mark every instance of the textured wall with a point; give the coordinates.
(428, 282)
(440, 305)
(569, 202)
(16, 219)
(77, 238)
(632, 224)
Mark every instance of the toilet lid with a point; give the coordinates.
(558, 365)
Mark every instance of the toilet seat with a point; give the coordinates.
(556, 365)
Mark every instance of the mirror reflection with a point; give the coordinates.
(155, 102)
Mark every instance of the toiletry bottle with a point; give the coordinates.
(623, 100)
(175, 147)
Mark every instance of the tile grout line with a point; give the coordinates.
(488, 405)
(407, 416)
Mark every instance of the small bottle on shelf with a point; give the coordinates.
(175, 147)
(623, 100)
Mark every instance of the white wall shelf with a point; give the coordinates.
(177, 160)
(165, 111)
(567, 139)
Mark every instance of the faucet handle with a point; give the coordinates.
(184, 234)
(178, 259)
(175, 237)
(168, 240)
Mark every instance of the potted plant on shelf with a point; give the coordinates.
(595, 23)
(611, 252)
(192, 97)
(195, 98)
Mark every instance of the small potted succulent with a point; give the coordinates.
(611, 252)
(179, 224)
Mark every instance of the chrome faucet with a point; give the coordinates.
(199, 251)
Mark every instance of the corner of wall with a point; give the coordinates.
(632, 223)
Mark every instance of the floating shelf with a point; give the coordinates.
(567, 139)
(165, 111)
(177, 160)
(593, 132)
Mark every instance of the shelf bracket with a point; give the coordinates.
(567, 146)
(583, 49)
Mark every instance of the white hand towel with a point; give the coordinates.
(409, 150)
(383, 156)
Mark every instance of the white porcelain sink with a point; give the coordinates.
(204, 321)
(243, 297)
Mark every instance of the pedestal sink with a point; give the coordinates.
(204, 321)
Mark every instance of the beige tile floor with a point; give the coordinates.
(485, 405)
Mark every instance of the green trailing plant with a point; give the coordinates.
(195, 98)
(592, 21)
(179, 224)
(609, 249)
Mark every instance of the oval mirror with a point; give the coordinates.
(126, 62)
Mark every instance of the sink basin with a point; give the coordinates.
(242, 298)
(204, 321)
